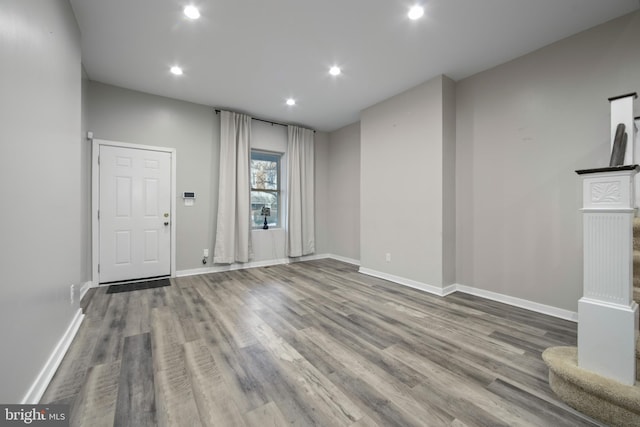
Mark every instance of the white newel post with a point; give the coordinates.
(607, 314)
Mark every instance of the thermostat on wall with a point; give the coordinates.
(189, 197)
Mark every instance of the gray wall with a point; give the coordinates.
(343, 228)
(402, 184)
(322, 172)
(85, 185)
(448, 181)
(194, 131)
(41, 151)
(118, 114)
(522, 129)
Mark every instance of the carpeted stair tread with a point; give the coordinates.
(637, 360)
(636, 226)
(564, 362)
(636, 270)
(602, 398)
(636, 234)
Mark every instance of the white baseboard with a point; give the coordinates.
(307, 258)
(41, 383)
(344, 259)
(436, 290)
(448, 290)
(265, 263)
(519, 302)
(85, 288)
(230, 267)
(494, 296)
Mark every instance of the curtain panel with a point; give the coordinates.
(301, 188)
(233, 226)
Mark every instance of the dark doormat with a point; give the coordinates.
(116, 289)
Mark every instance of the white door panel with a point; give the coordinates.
(135, 206)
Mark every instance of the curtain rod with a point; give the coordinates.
(266, 121)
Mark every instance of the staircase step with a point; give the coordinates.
(636, 233)
(636, 262)
(599, 397)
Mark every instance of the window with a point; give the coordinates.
(265, 187)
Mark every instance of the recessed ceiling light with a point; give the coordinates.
(176, 70)
(334, 71)
(291, 101)
(191, 12)
(416, 12)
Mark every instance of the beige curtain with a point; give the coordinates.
(300, 202)
(233, 227)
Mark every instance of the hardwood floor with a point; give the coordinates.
(305, 344)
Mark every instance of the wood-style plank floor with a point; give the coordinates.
(308, 344)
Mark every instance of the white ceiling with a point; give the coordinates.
(250, 55)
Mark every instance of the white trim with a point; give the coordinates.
(494, 296)
(519, 302)
(85, 288)
(608, 304)
(308, 258)
(344, 259)
(41, 383)
(231, 267)
(264, 263)
(95, 200)
(436, 290)
(95, 203)
(448, 290)
(605, 210)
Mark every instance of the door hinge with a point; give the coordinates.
(98, 213)
(98, 159)
(98, 268)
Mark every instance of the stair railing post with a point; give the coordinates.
(607, 314)
(622, 114)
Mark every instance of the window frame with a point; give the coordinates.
(270, 156)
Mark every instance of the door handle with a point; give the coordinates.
(166, 223)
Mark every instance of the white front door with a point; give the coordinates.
(134, 213)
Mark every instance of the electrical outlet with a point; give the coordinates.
(72, 292)
(388, 257)
(206, 252)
